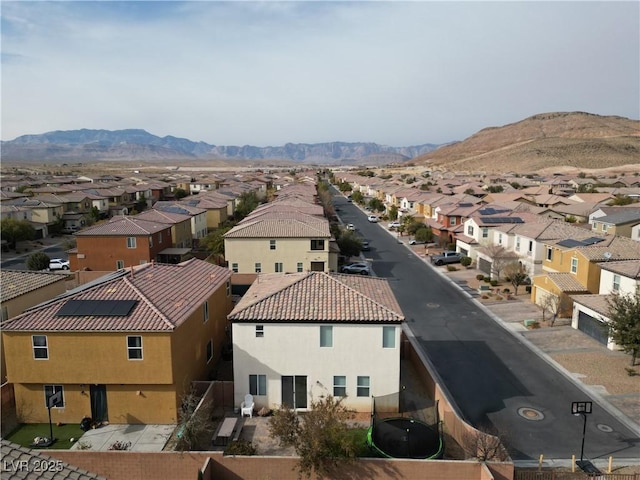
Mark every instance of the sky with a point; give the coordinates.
(269, 73)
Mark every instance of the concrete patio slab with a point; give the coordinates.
(142, 438)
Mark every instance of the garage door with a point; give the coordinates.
(484, 266)
(592, 327)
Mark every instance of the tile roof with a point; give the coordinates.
(162, 217)
(123, 226)
(14, 283)
(627, 216)
(318, 297)
(566, 282)
(166, 295)
(14, 457)
(281, 224)
(614, 248)
(594, 302)
(628, 268)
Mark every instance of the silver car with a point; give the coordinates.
(359, 268)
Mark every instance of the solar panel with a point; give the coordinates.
(106, 308)
(569, 242)
(501, 220)
(592, 240)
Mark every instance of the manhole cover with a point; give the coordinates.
(433, 305)
(530, 413)
(604, 428)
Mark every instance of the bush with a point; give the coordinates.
(38, 261)
(506, 290)
(486, 279)
(451, 268)
(465, 261)
(240, 447)
(451, 246)
(494, 283)
(480, 277)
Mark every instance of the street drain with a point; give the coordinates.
(604, 428)
(530, 413)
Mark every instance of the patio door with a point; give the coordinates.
(98, 395)
(294, 391)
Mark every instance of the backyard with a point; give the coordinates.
(26, 433)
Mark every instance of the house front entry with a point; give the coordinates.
(98, 395)
(294, 391)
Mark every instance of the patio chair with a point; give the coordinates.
(246, 407)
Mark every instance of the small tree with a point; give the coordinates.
(179, 193)
(14, 231)
(555, 304)
(624, 324)
(500, 258)
(392, 211)
(214, 242)
(344, 187)
(423, 235)
(247, 204)
(320, 438)
(517, 274)
(376, 205)
(349, 243)
(195, 422)
(38, 261)
(357, 197)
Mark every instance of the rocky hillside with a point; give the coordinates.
(139, 145)
(544, 142)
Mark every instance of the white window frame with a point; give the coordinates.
(616, 283)
(469, 230)
(574, 265)
(134, 348)
(549, 256)
(131, 242)
(326, 339)
(300, 267)
(388, 334)
(119, 264)
(485, 232)
(258, 267)
(278, 267)
(452, 220)
(234, 267)
(364, 382)
(517, 244)
(150, 242)
(339, 386)
(499, 239)
(54, 389)
(272, 244)
(44, 347)
(259, 331)
(259, 388)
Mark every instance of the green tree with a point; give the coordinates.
(14, 231)
(357, 197)
(495, 189)
(423, 235)
(214, 242)
(344, 187)
(349, 243)
(624, 324)
(247, 204)
(376, 205)
(179, 193)
(320, 437)
(392, 211)
(38, 261)
(621, 200)
(517, 274)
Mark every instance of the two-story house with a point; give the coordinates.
(179, 222)
(300, 336)
(122, 242)
(198, 217)
(124, 348)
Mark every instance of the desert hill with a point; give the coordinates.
(544, 142)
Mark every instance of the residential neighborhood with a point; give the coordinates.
(237, 289)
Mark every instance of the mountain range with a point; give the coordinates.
(140, 145)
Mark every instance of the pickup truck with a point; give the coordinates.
(446, 257)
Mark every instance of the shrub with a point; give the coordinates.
(506, 290)
(493, 283)
(465, 261)
(486, 279)
(451, 246)
(451, 268)
(240, 447)
(38, 261)
(480, 277)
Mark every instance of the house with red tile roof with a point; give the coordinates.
(300, 336)
(123, 348)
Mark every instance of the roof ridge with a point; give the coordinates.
(273, 293)
(149, 303)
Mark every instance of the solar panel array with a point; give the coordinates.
(570, 242)
(98, 308)
(501, 220)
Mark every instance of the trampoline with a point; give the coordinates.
(405, 438)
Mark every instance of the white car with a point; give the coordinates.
(351, 226)
(373, 218)
(58, 264)
(393, 225)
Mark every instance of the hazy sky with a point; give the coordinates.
(268, 73)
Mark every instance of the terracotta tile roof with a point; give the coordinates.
(178, 207)
(166, 296)
(318, 297)
(162, 217)
(614, 247)
(286, 224)
(123, 226)
(566, 282)
(14, 283)
(14, 454)
(628, 268)
(594, 302)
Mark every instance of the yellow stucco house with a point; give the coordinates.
(124, 348)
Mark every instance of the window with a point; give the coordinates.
(205, 311)
(485, 232)
(388, 337)
(119, 264)
(134, 347)
(150, 242)
(50, 390)
(499, 239)
(272, 244)
(549, 254)
(131, 242)
(574, 265)
(209, 350)
(159, 237)
(605, 227)
(469, 229)
(234, 267)
(299, 268)
(40, 347)
(278, 267)
(363, 386)
(530, 246)
(228, 288)
(340, 386)
(517, 244)
(616, 283)
(326, 336)
(317, 244)
(258, 384)
(258, 267)
(452, 220)
(259, 331)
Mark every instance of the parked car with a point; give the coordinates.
(365, 246)
(393, 225)
(360, 268)
(373, 218)
(58, 264)
(446, 257)
(351, 226)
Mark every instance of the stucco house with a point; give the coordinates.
(299, 336)
(124, 348)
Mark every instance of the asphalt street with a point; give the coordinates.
(498, 383)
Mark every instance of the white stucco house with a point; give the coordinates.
(590, 312)
(300, 336)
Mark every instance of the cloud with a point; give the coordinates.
(267, 73)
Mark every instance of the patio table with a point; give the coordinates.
(226, 430)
